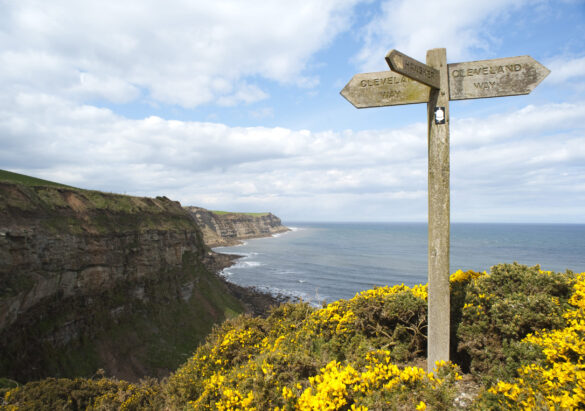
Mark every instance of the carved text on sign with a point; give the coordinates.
(409, 67)
(376, 82)
(479, 71)
(384, 88)
(510, 76)
(410, 79)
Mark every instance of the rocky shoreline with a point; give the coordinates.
(229, 229)
(256, 302)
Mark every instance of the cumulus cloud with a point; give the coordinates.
(529, 166)
(565, 69)
(61, 60)
(528, 123)
(415, 26)
(92, 87)
(526, 155)
(175, 52)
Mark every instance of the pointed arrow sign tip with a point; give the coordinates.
(384, 88)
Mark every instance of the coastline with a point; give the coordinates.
(256, 302)
(228, 228)
(233, 241)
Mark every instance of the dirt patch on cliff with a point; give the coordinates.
(74, 201)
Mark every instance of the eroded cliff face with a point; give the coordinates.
(93, 280)
(229, 228)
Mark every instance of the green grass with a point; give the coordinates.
(11, 177)
(100, 200)
(232, 212)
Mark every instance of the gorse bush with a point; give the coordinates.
(502, 308)
(519, 331)
(83, 394)
(557, 379)
(299, 355)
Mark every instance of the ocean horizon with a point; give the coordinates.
(319, 262)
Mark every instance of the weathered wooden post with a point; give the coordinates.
(434, 74)
(435, 83)
(439, 322)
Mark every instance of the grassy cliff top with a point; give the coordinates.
(28, 200)
(118, 202)
(10, 177)
(217, 212)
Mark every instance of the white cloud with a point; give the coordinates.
(246, 93)
(528, 154)
(529, 167)
(525, 124)
(179, 52)
(563, 69)
(415, 26)
(195, 162)
(265, 112)
(60, 59)
(109, 88)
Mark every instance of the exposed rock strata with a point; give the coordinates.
(93, 280)
(230, 228)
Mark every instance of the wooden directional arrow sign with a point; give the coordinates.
(412, 68)
(384, 88)
(510, 76)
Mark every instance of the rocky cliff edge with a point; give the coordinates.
(94, 280)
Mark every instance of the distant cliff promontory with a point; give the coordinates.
(224, 229)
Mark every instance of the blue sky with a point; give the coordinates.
(235, 105)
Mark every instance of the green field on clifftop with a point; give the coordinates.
(237, 213)
(11, 177)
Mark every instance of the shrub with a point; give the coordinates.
(84, 394)
(300, 356)
(558, 380)
(519, 329)
(502, 308)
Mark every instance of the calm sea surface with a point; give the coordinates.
(329, 261)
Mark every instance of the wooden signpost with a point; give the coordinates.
(435, 83)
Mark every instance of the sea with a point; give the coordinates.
(324, 262)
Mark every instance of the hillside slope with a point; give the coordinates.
(94, 280)
(518, 343)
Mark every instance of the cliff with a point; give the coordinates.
(224, 229)
(94, 280)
